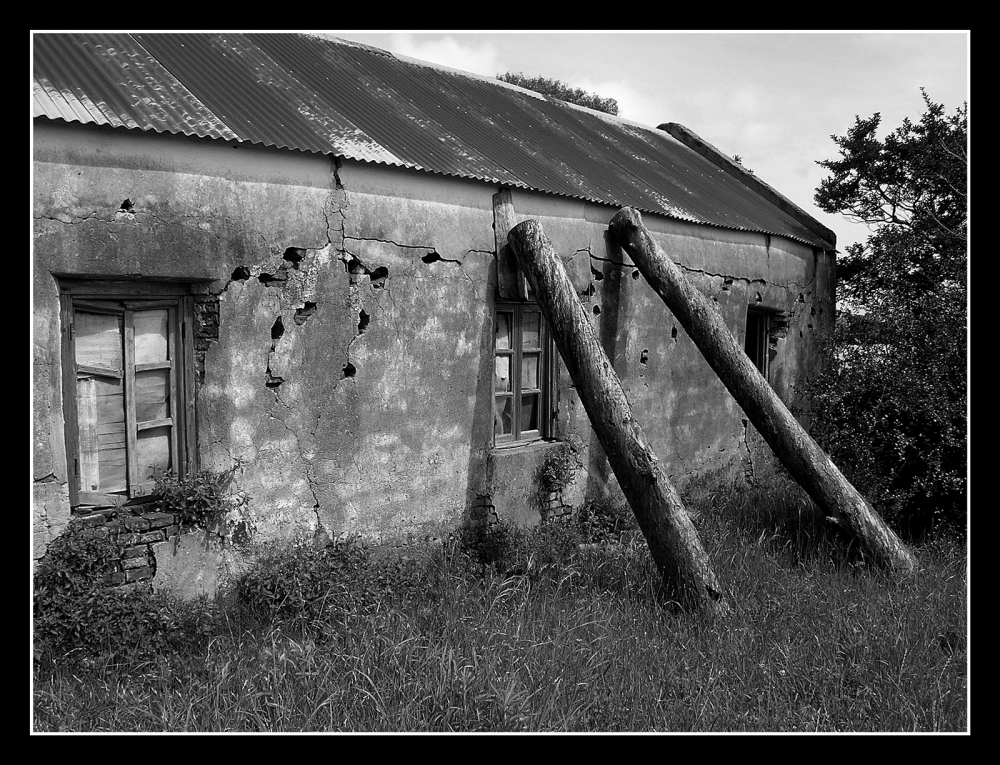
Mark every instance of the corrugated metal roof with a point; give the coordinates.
(296, 91)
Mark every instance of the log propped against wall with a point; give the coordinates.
(670, 534)
(800, 454)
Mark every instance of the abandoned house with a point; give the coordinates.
(280, 249)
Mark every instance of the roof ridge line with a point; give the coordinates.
(732, 168)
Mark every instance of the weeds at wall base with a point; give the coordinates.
(538, 630)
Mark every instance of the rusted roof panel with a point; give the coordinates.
(303, 92)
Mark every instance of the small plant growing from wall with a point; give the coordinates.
(201, 499)
(556, 471)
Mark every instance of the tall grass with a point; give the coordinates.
(529, 631)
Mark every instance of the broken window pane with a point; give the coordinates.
(503, 328)
(503, 415)
(501, 374)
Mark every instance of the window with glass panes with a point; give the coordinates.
(522, 395)
(125, 389)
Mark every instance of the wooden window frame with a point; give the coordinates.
(546, 377)
(124, 299)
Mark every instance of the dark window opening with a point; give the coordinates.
(758, 339)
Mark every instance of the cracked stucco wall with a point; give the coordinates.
(127, 205)
(344, 346)
(691, 420)
(350, 385)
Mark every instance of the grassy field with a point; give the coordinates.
(530, 631)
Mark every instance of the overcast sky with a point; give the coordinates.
(772, 98)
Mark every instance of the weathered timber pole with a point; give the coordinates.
(672, 538)
(800, 454)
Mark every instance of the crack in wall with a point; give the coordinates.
(728, 279)
(388, 241)
(303, 457)
(435, 257)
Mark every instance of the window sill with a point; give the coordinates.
(132, 505)
(536, 443)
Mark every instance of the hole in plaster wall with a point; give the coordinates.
(378, 276)
(644, 356)
(240, 274)
(598, 276)
(635, 275)
(673, 332)
(266, 279)
(303, 313)
(127, 205)
(431, 257)
(277, 329)
(363, 319)
(349, 369)
(726, 284)
(293, 255)
(597, 310)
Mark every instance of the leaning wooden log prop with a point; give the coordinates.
(800, 454)
(672, 538)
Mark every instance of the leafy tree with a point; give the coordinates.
(891, 406)
(562, 91)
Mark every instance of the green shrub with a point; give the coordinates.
(77, 616)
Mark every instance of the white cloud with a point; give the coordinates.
(633, 104)
(479, 58)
